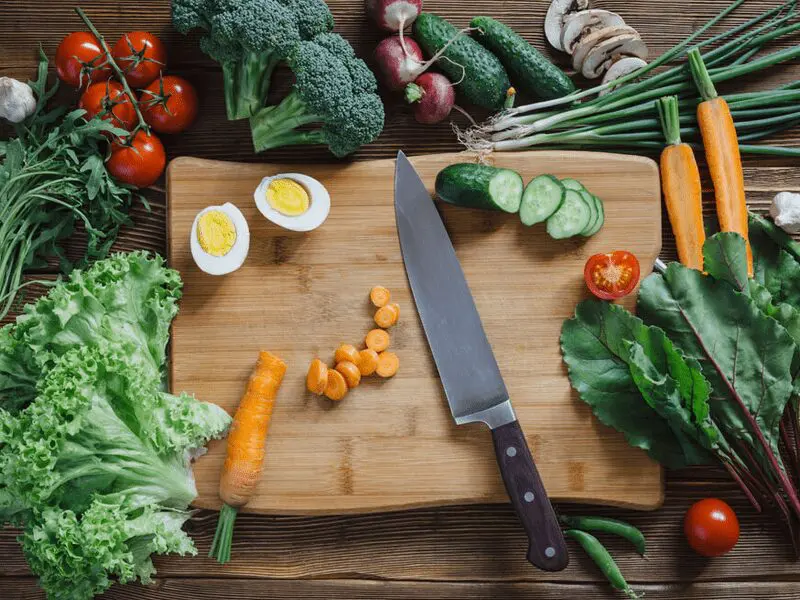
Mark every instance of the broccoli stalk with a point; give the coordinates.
(334, 91)
(246, 82)
(276, 126)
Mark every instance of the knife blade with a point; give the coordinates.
(467, 367)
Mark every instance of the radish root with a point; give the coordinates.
(438, 55)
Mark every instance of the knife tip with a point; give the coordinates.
(401, 154)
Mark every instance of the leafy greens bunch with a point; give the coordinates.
(94, 455)
(52, 177)
(710, 370)
(334, 100)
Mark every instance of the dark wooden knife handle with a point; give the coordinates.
(547, 549)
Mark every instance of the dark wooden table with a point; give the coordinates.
(460, 553)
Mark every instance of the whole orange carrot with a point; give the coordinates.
(246, 448)
(722, 154)
(680, 181)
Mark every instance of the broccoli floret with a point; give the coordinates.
(332, 91)
(313, 16)
(249, 38)
(363, 79)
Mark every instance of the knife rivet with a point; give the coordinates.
(511, 451)
(549, 552)
(528, 496)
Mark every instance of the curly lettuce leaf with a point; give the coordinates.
(127, 299)
(79, 556)
(94, 427)
(601, 346)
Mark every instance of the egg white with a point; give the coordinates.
(228, 263)
(318, 208)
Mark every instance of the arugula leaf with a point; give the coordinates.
(596, 346)
(745, 355)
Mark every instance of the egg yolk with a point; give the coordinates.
(287, 197)
(216, 233)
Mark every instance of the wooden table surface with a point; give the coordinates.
(460, 553)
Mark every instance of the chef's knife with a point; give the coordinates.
(471, 378)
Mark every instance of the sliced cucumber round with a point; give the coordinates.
(542, 197)
(601, 211)
(571, 218)
(594, 213)
(573, 184)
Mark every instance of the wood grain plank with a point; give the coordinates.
(356, 589)
(472, 543)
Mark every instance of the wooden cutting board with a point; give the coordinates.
(391, 444)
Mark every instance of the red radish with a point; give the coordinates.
(433, 97)
(399, 66)
(393, 15)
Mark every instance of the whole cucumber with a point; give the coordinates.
(483, 80)
(480, 186)
(529, 69)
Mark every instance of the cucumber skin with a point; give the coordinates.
(467, 185)
(485, 81)
(528, 67)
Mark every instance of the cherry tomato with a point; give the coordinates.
(169, 105)
(140, 162)
(80, 60)
(711, 527)
(613, 275)
(109, 99)
(141, 56)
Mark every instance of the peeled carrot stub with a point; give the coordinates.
(380, 296)
(317, 378)
(336, 388)
(386, 316)
(367, 361)
(350, 372)
(346, 353)
(377, 340)
(388, 363)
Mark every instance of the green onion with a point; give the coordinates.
(627, 115)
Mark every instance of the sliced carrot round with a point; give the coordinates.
(336, 389)
(377, 340)
(350, 372)
(346, 353)
(388, 363)
(317, 378)
(396, 308)
(367, 361)
(380, 296)
(386, 316)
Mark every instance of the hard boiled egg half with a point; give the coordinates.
(220, 239)
(293, 201)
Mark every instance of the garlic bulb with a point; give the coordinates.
(16, 100)
(785, 211)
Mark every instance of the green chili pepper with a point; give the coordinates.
(598, 553)
(612, 526)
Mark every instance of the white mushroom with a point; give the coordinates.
(588, 42)
(556, 14)
(624, 65)
(16, 100)
(601, 55)
(785, 211)
(584, 22)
